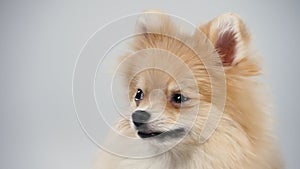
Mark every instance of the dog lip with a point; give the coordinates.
(148, 134)
(175, 133)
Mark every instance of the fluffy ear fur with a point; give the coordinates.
(155, 29)
(152, 21)
(230, 37)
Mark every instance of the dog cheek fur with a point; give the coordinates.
(244, 134)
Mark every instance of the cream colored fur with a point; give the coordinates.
(243, 138)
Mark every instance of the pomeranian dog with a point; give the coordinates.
(196, 101)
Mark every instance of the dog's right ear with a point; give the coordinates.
(152, 21)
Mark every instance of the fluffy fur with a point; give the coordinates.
(166, 60)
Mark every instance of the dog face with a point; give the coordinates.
(165, 98)
(173, 76)
(159, 97)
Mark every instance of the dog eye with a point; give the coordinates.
(139, 95)
(179, 98)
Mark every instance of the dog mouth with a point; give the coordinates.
(149, 134)
(175, 133)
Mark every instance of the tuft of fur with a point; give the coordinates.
(243, 138)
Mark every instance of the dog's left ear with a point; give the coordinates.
(154, 21)
(230, 37)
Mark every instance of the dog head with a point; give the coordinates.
(173, 76)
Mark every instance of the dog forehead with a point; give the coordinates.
(159, 59)
(158, 79)
(154, 78)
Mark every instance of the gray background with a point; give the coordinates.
(39, 43)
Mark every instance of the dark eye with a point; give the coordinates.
(139, 95)
(179, 98)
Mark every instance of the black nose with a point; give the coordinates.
(140, 117)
